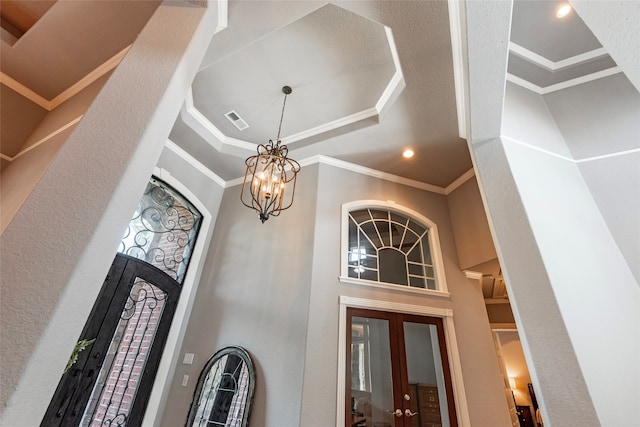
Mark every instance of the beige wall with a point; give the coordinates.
(21, 175)
(19, 116)
(474, 243)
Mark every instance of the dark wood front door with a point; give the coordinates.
(109, 377)
(397, 371)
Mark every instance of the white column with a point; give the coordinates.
(575, 300)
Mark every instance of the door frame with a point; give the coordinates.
(446, 314)
(173, 346)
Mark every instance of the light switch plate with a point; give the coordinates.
(188, 359)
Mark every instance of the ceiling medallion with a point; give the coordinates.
(270, 178)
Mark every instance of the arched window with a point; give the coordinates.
(163, 230)
(388, 244)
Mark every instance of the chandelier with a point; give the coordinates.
(270, 178)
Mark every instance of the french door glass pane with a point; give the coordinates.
(425, 375)
(119, 377)
(371, 374)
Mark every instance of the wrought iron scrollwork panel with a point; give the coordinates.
(163, 229)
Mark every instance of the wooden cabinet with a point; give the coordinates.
(424, 401)
(525, 417)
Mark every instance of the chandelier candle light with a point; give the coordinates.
(270, 178)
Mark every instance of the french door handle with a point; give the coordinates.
(408, 413)
(397, 412)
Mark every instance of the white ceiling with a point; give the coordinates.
(339, 61)
(369, 78)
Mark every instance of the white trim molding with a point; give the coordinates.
(320, 159)
(363, 170)
(458, 29)
(446, 314)
(473, 275)
(172, 146)
(459, 181)
(171, 353)
(562, 85)
(394, 288)
(553, 66)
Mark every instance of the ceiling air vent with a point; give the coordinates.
(237, 121)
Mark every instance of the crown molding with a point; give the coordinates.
(459, 181)
(325, 160)
(563, 85)
(525, 84)
(376, 174)
(173, 147)
(396, 85)
(342, 122)
(553, 66)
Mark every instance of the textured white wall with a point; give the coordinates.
(596, 293)
(83, 203)
(553, 244)
(615, 25)
(600, 122)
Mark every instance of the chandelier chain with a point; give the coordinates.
(281, 117)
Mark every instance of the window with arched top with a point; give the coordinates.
(387, 244)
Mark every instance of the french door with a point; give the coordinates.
(109, 377)
(397, 371)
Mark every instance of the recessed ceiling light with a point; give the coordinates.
(563, 10)
(408, 153)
